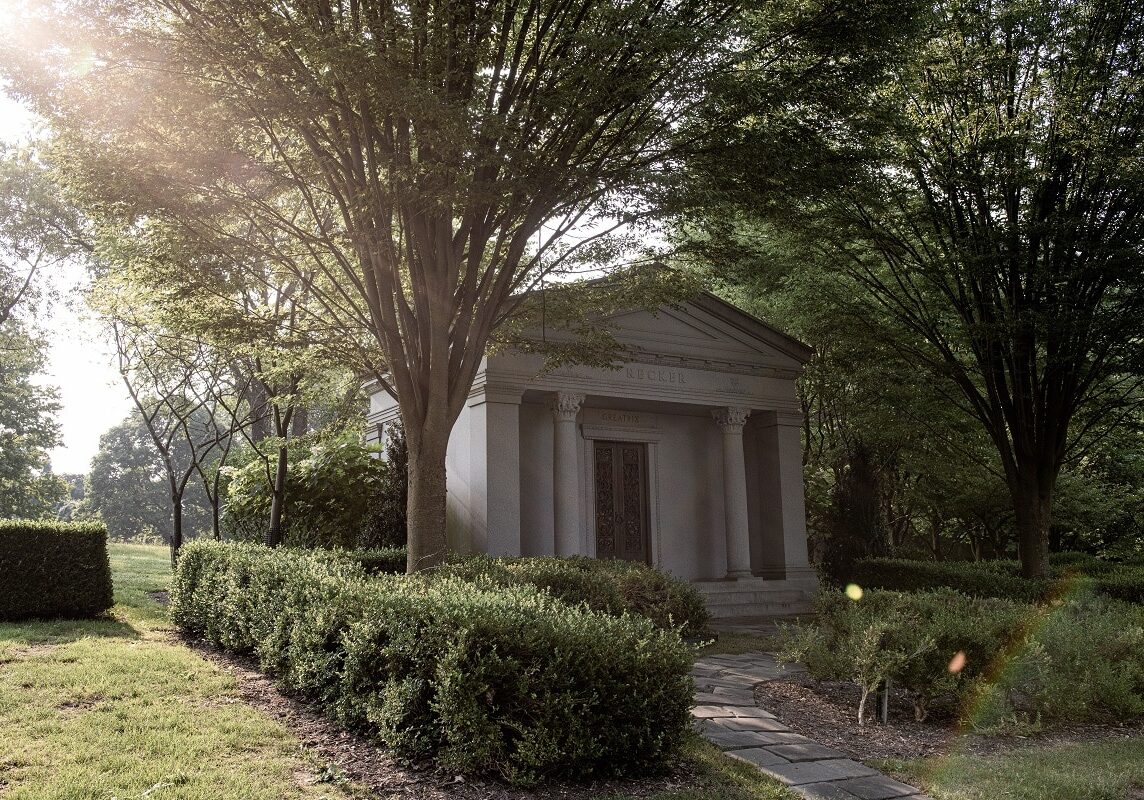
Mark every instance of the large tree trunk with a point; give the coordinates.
(1032, 502)
(277, 500)
(425, 510)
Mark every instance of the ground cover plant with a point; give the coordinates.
(53, 569)
(508, 680)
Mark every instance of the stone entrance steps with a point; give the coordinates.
(754, 597)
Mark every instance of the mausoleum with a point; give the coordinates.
(686, 457)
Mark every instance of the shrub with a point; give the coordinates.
(910, 639)
(380, 560)
(982, 579)
(1082, 662)
(1002, 579)
(339, 494)
(506, 680)
(1125, 583)
(53, 569)
(1076, 660)
(608, 586)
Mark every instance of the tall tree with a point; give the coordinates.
(988, 196)
(28, 429)
(411, 154)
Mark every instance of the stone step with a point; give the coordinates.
(760, 610)
(755, 596)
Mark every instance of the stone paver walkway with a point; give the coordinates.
(726, 714)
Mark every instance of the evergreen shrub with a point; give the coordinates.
(380, 560)
(339, 494)
(53, 569)
(482, 678)
(609, 586)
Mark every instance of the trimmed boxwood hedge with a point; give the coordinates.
(504, 680)
(1002, 578)
(53, 569)
(380, 560)
(975, 580)
(609, 586)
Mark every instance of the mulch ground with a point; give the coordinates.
(827, 712)
(342, 754)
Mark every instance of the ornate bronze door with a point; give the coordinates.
(621, 501)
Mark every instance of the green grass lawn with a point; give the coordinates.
(117, 708)
(1110, 770)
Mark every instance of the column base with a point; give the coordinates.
(736, 575)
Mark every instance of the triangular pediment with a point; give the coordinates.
(707, 329)
(663, 324)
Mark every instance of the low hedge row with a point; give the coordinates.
(507, 681)
(609, 586)
(1002, 579)
(53, 569)
(905, 575)
(997, 662)
(379, 561)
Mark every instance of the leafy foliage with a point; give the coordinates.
(507, 681)
(338, 494)
(996, 662)
(975, 197)
(28, 429)
(612, 587)
(1003, 578)
(401, 173)
(127, 489)
(53, 569)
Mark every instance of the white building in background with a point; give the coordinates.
(687, 457)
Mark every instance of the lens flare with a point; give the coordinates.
(854, 591)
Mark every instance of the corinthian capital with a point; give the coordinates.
(731, 419)
(565, 406)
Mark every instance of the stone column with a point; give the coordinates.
(731, 421)
(565, 473)
(494, 489)
(784, 503)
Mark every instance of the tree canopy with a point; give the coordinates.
(402, 159)
(986, 195)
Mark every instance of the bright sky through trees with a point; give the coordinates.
(91, 394)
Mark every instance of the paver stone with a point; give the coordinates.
(811, 751)
(817, 771)
(877, 787)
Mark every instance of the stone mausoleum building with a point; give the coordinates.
(686, 457)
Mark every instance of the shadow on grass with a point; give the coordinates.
(64, 631)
